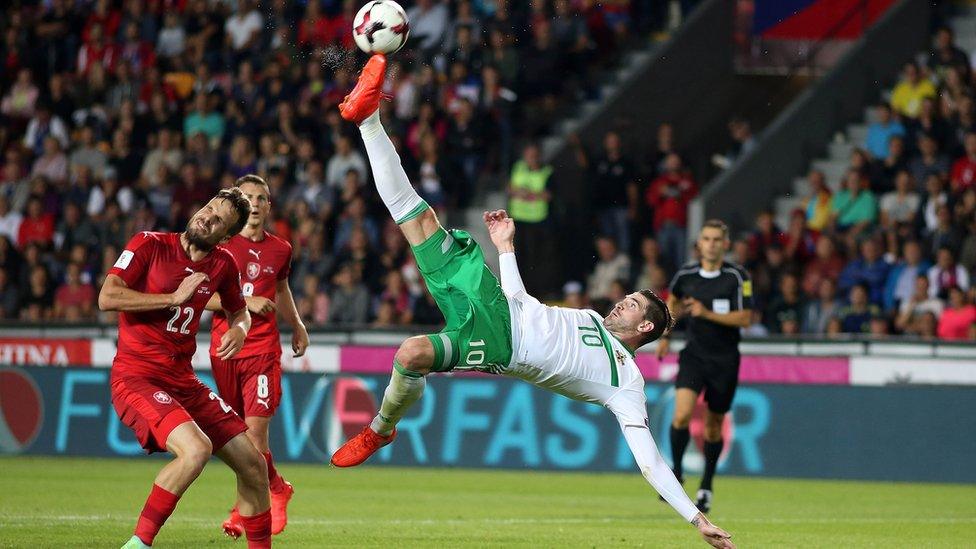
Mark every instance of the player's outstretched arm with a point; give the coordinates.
(713, 535)
(656, 471)
(501, 229)
(299, 336)
(115, 295)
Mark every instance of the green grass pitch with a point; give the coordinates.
(73, 502)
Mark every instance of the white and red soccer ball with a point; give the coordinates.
(381, 26)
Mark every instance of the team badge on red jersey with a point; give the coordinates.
(253, 270)
(162, 398)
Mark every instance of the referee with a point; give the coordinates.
(716, 298)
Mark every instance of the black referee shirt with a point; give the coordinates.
(723, 291)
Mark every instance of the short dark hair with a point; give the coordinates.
(717, 224)
(252, 179)
(240, 204)
(657, 313)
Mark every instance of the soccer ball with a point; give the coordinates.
(381, 26)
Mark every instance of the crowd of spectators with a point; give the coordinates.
(119, 117)
(122, 116)
(888, 249)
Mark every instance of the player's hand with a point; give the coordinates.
(663, 348)
(231, 342)
(713, 535)
(299, 340)
(501, 229)
(188, 287)
(260, 305)
(694, 307)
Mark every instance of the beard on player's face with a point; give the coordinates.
(202, 231)
(617, 321)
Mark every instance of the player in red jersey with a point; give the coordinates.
(251, 382)
(160, 285)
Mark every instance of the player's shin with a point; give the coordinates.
(392, 183)
(711, 451)
(257, 528)
(275, 481)
(159, 506)
(679, 442)
(405, 388)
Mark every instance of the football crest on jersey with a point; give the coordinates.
(162, 398)
(253, 270)
(621, 358)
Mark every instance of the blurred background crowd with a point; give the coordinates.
(119, 117)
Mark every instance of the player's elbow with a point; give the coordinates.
(105, 301)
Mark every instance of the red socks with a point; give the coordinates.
(275, 482)
(159, 506)
(257, 528)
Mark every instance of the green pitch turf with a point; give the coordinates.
(68, 502)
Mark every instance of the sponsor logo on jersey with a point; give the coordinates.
(257, 255)
(746, 288)
(253, 270)
(269, 269)
(187, 269)
(264, 402)
(123, 261)
(162, 398)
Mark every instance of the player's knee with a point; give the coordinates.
(416, 354)
(713, 427)
(259, 438)
(681, 419)
(197, 453)
(253, 469)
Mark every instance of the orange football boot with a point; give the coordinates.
(234, 526)
(358, 449)
(364, 99)
(279, 507)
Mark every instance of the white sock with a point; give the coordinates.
(391, 181)
(399, 396)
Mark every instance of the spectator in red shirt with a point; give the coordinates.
(765, 235)
(669, 196)
(314, 30)
(37, 226)
(957, 318)
(105, 18)
(826, 264)
(964, 170)
(799, 241)
(138, 53)
(74, 301)
(99, 50)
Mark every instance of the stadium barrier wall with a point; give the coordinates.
(772, 363)
(786, 146)
(901, 433)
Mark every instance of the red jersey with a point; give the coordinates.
(156, 263)
(262, 264)
(963, 174)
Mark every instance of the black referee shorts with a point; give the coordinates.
(719, 377)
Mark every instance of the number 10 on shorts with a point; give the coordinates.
(476, 357)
